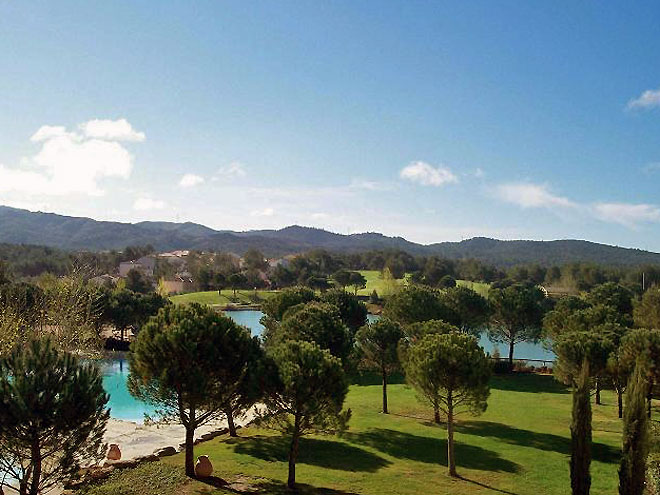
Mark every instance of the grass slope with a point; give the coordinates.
(213, 298)
(521, 446)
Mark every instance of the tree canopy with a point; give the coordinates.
(52, 416)
(451, 372)
(306, 393)
(190, 362)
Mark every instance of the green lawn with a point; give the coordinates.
(521, 445)
(479, 287)
(374, 281)
(214, 299)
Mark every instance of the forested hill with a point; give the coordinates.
(74, 233)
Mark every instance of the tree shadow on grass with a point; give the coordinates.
(542, 441)
(431, 450)
(324, 453)
(528, 382)
(258, 486)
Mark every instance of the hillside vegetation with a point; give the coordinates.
(73, 233)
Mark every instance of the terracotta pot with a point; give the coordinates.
(203, 467)
(114, 454)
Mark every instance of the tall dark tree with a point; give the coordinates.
(647, 309)
(342, 278)
(306, 393)
(471, 309)
(516, 315)
(581, 434)
(352, 311)
(52, 417)
(358, 281)
(417, 303)
(255, 260)
(632, 471)
(377, 346)
(645, 344)
(138, 282)
(451, 372)
(190, 362)
(316, 322)
(236, 281)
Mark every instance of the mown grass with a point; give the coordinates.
(374, 282)
(214, 298)
(521, 445)
(154, 478)
(479, 287)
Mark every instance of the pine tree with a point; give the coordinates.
(581, 434)
(52, 417)
(191, 362)
(632, 471)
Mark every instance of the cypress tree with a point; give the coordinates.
(632, 471)
(581, 434)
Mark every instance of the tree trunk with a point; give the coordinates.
(436, 415)
(451, 461)
(122, 334)
(36, 473)
(293, 455)
(511, 344)
(619, 401)
(190, 454)
(385, 411)
(230, 422)
(649, 398)
(598, 402)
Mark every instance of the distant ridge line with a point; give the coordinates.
(18, 226)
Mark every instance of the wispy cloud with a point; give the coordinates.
(146, 204)
(266, 212)
(233, 170)
(191, 180)
(369, 185)
(427, 175)
(648, 99)
(528, 195)
(627, 214)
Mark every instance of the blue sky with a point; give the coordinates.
(431, 120)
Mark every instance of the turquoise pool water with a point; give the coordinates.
(124, 406)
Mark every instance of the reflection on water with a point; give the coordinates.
(124, 406)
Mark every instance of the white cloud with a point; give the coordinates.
(627, 214)
(234, 170)
(266, 212)
(67, 163)
(427, 175)
(529, 195)
(46, 132)
(191, 180)
(145, 204)
(111, 130)
(648, 99)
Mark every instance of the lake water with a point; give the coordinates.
(124, 406)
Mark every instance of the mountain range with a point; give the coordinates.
(76, 233)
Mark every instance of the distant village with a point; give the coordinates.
(170, 274)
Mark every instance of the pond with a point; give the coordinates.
(124, 406)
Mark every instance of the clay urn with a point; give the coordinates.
(114, 454)
(203, 467)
